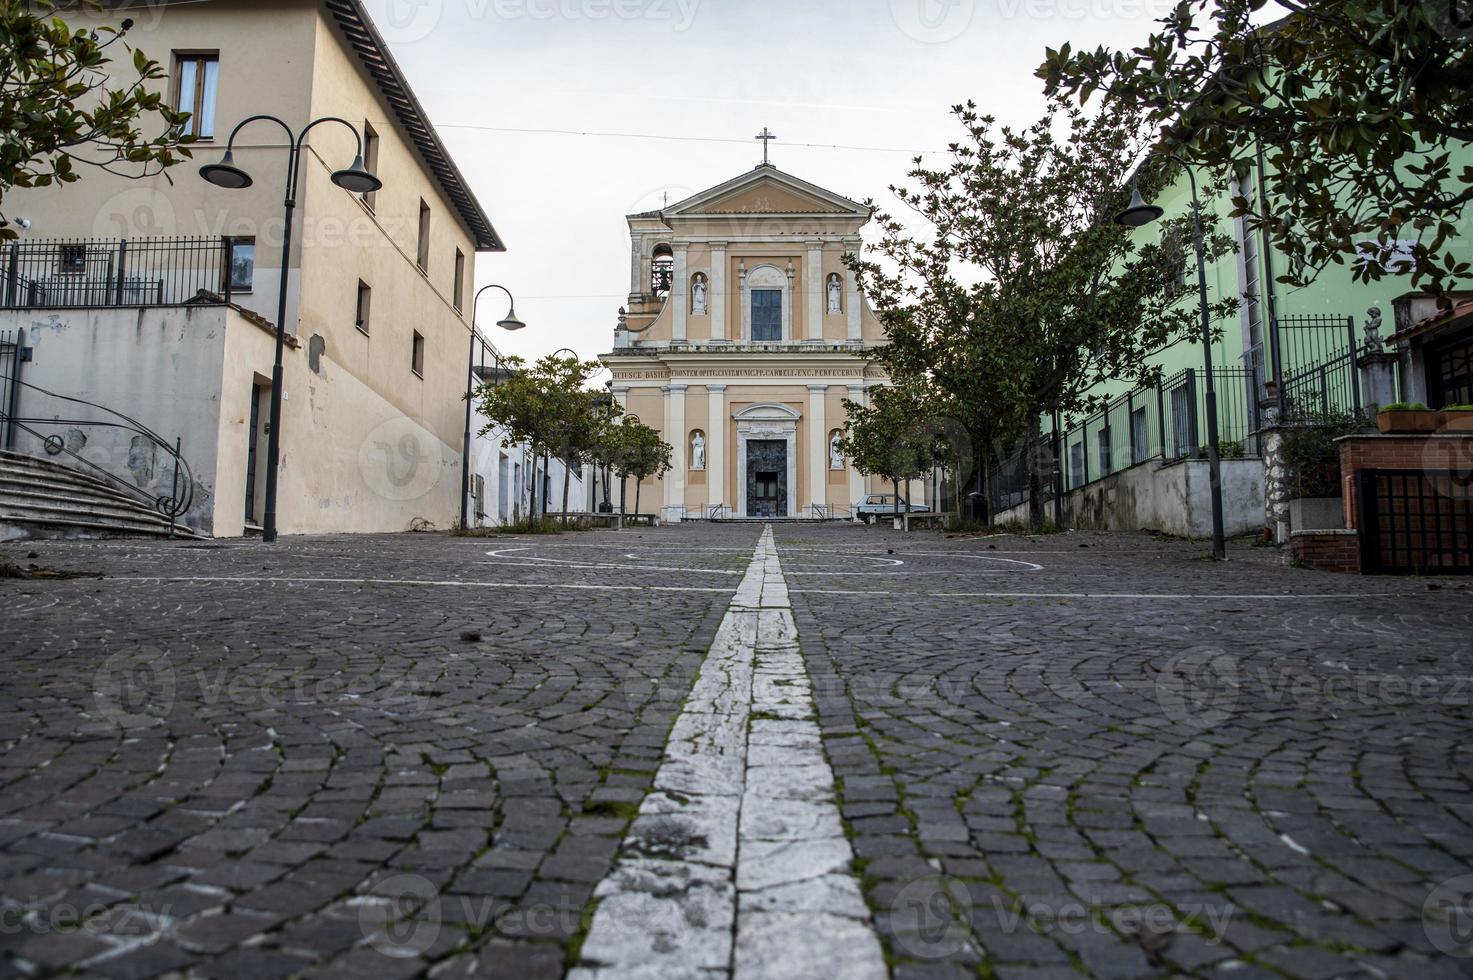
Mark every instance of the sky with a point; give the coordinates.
(853, 89)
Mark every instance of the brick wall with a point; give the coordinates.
(1329, 551)
(1440, 451)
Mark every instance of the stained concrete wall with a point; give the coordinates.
(160, 367)
(1174, 498)
(351, 460)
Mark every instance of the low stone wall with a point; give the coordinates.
(1329, 551)
(1174, 498)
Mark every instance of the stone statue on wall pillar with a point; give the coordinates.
(836, 289)
(1373, 328)
(698, 451)
(698, 295)
(836, 457)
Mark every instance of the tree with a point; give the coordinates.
(1354, 103)
(897, 437)
(636, 450)
(1025, 297)
(575, 422)
(542, 405)
(59, 109)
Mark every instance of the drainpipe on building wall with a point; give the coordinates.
(1266, 282)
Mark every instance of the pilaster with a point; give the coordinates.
(813, 290)
(818, 469)
(718, 291)
(679, 292)
(716, 426)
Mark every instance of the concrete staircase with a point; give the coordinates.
(40, 498)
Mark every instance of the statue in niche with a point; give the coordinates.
(697, 451)
(835, 290)
(698, 295)
(836, 457)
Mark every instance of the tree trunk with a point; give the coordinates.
(895, 511)
(1035, 477)
(542, 483)
(636, 496)
(623, 495)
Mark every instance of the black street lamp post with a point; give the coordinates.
(226, 174)
(508, 322)
(1139, 213)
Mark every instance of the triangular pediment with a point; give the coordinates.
(766, 190)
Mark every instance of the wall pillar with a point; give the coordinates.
(716, 426)
(790, 326)
(856, 479)
(675, 436)
(818, 462)
(813, 289)
(744, 304)
(851, 296)
(718, 292)
(679, 292)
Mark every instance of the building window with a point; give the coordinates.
(198, 78)
(458, 297)
(417, 354)
(1103, 451)
(423, 254)
(73, 260)
(1076, 464)
(767, 314)
(1450, 370)
(370, 158)
(1183, 428)
(1140, 439)
(662, 270)
(365, 296)
(242, 264)
(478, 494)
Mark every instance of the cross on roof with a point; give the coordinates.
(766, 137)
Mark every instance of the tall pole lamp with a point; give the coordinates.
(1135, 215)
(355, 178)
(508, 322)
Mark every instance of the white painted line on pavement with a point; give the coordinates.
(737, 865)
(1105, 595)
(306, 580)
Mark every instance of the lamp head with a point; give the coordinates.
(226, 173)
(356, 178)
(510, 322)
(1138, 212)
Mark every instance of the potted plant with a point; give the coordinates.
(1406, 417)
(1457, 418)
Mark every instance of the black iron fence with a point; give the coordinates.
(1164, 422)
(69, 274)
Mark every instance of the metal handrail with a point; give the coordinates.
(171, 505)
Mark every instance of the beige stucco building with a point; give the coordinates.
(379, 287)
(743, 335)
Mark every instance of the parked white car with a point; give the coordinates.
(882, 505)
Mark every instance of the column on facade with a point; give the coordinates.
(718, 291)
(679, 297)
(789, 331)
(856, 479)
(634, 266)
(715, 446)
(743, 306)
(851, 294)
(813, 289)
(818, 455)
(675, 436)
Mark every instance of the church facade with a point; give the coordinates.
(743, 335)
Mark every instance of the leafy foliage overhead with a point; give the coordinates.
(1356, 104)
(59, 106)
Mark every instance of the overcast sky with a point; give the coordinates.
(841, 74)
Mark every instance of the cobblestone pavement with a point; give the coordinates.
(1082, 755)
(1092, 755)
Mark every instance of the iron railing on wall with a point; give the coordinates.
(1163, 422)
(80, 273)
